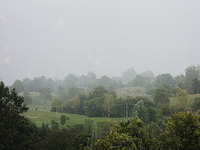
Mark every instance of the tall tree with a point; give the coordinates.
(16, 133)
(94, 104)
(161, 97)
(166, 81)
(195, 86)
(191, 73)
(182, 97)
(180, 81)
(109, 102)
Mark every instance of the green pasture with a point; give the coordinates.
(39, 117)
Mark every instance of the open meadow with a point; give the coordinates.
(38, 117)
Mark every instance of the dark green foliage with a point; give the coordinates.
(54, 125)
(128, 135)
(161, 97)
(63, 119)
(16, 131)
(103, 128)
(67, 138)
(92, 109)
(94, 106)
(182, 132)
(10, 102)
(88, 126)
(60, 140)
(79, 127)
(144, 109)
(118, 108)
(115, 141)
(110, 106)
(44, 130)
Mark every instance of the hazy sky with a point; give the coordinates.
(58, 37)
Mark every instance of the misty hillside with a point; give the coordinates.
(99, 75)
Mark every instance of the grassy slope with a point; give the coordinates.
(131, 91)
(44, 116)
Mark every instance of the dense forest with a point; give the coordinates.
(162, 111)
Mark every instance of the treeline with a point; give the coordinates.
(18, 133)
(101, 103)
(96, 97)
(190, 81)
(86, 82)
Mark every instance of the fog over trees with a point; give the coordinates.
(55, 38)
(84, 74)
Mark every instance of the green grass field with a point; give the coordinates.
(45, 116)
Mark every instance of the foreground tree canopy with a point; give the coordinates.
(16, 132)
(182, 132)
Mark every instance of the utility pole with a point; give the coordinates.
(109, 112)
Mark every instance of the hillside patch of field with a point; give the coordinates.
(131, 91)
(39, 117)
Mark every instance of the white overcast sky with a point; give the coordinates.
(57, 37)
